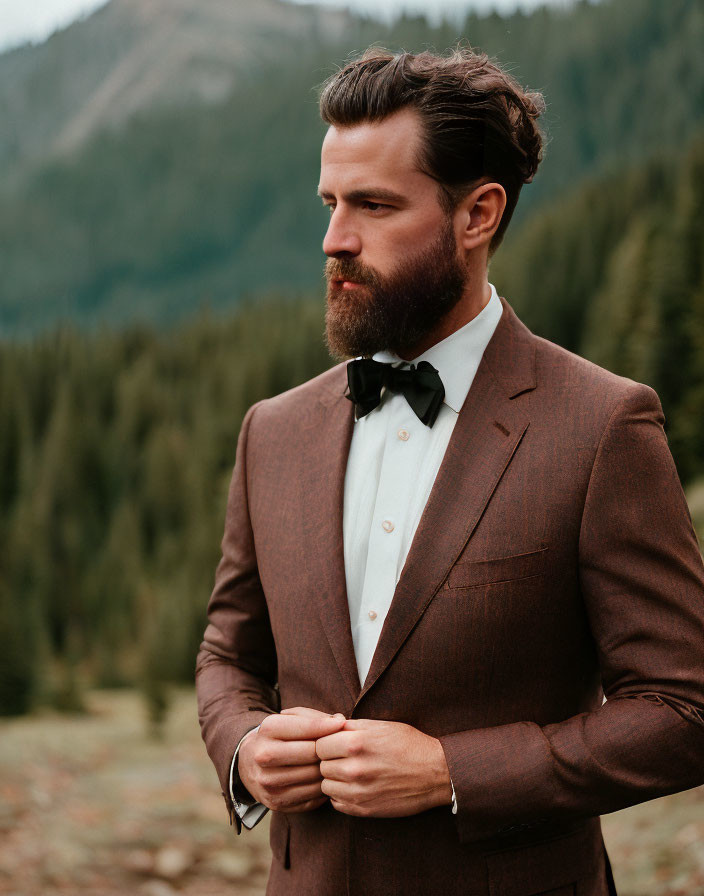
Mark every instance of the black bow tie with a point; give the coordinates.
(421, 386)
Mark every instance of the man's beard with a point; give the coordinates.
(396, 311)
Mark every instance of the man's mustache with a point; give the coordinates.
(349, 269)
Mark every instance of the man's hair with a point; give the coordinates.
(477, 120)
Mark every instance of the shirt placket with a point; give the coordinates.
(389, 519)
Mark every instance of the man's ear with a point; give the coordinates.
(480, 214)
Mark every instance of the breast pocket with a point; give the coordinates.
(494, 570)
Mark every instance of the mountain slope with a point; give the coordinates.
(135, 55)
(205, 202)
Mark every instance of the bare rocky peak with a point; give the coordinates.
(131, 55)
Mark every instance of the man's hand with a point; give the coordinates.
(383, 769)
(278, 764)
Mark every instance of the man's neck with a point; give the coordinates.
(469, 306)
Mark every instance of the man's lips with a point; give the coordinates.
(344, 283)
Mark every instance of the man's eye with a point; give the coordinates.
(373, 206)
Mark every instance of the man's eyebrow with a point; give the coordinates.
(367, 193)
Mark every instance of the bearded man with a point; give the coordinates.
(441, 555)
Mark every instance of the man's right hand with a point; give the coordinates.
(278, 764)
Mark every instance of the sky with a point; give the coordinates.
(22, 21)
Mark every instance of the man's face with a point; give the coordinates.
(393, 268)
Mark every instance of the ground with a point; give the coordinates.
(91, 805)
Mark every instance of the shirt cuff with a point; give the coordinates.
(250, 812)
(454, 798)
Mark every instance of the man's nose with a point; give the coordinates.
(341, 237)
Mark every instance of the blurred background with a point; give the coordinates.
(161, 270)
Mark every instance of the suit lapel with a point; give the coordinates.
(488, 431)
(327, 446)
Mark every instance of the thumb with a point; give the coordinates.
(308, 712)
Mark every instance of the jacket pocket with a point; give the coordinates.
(498, 569)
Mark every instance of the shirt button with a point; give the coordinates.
(388, 526)
(372, 615)
(404, 435)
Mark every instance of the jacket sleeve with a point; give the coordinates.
(236, 668)
(642, 582)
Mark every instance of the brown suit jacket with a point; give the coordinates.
(555, 558)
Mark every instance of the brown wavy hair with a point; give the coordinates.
(478, 120)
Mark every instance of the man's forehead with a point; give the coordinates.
(372, 154)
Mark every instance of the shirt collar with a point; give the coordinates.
(457, 357)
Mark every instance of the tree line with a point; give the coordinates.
(115, 458)
(615, 272)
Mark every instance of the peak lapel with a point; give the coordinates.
(489, 429)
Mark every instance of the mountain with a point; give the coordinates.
(135, 55)
(147, 195)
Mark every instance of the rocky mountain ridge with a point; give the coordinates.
(132, 56)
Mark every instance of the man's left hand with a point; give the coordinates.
(383, 769)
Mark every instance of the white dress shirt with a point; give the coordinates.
(391, 468)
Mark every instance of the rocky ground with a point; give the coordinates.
(92, 805)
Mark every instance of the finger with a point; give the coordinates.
(348, 808)
(270, 752)
(295, 727)
(360, 724)
(345, 770)
(285, 778)
(337, 790)
(307, 711)
(338, 745)
(287, 800)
